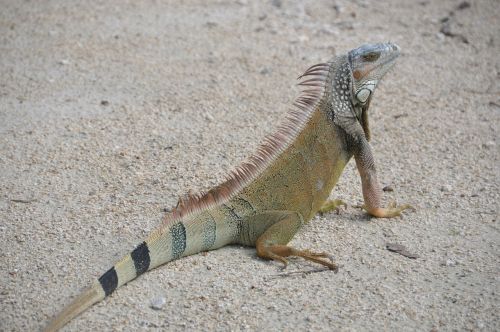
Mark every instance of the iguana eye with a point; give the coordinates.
(372, 56)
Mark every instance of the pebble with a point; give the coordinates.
(265, 71)
(208, 117)
(489, 144)
(449, 262)
(446, 188)
(277, 3)
(440, 36)
(158, 302)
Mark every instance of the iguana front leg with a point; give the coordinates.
(272, 244)
(371, 188)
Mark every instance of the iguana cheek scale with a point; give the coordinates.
(266, 200)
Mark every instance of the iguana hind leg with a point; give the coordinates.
(272, 244)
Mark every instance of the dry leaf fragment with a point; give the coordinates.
(400, 249)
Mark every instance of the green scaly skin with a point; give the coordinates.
(265, 207)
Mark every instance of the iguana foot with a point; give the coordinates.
(279, 252)
(272, 243)
(330, 205)
(391, 211)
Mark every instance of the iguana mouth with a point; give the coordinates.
(393, 55)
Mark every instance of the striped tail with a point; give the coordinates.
(90, 296)
(129, 268)
(164, 245)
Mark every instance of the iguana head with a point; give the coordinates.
(343, 87)
(369, 63)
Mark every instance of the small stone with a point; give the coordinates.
(388, 188)
(208, 117)
(463, 5)
(303, 38)
(264, 71)
(494, 104)
(489, 144)
(446, 188)
(276, 3)
(211, 24)
(446, 29)
(63, 62)
(158, 303)
(449, 262)
(104, 102)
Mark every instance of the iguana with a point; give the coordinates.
(266, 200)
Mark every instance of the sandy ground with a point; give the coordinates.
(110, 111)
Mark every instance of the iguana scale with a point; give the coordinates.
(266, 200)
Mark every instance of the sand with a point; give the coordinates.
(111, 110)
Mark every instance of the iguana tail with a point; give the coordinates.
(130, 267)
(90, 296)
(172, 241)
